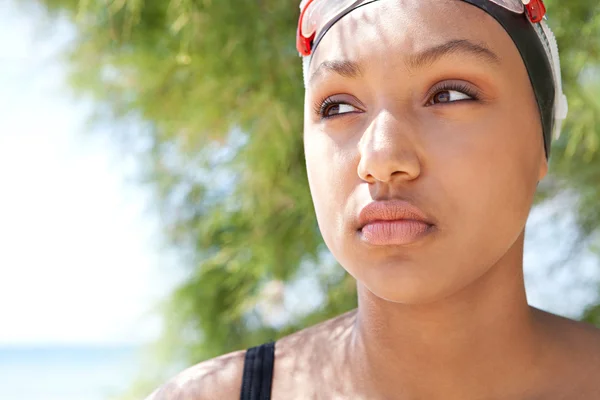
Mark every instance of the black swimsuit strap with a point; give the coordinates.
(258, 372)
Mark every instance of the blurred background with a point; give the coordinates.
(154, 209)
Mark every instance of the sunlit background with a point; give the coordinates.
(83, 264)
(79, 253)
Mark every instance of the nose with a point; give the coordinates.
(386, 151)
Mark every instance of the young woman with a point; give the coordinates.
(428, 126)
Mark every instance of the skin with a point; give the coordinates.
(445, 317)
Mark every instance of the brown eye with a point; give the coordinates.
(442, 97)
(331, 110)
(449, 96)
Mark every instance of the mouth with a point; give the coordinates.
(393, 223)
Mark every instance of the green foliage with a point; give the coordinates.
(576, 159)
(217, 87)
(220, 84)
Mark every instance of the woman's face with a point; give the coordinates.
(424, 103)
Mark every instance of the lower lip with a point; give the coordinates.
(400, 232)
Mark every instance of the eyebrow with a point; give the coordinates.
(351, 69)
(345, 68)
(453, 47)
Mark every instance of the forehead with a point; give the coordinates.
(390, 29)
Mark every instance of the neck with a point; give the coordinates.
(459, 347)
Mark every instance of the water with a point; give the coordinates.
(66, 373)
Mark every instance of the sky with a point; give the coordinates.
(79, 259)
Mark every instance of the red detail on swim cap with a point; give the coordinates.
(535, 10)
(303, 44)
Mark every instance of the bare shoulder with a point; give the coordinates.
(219, 378)
(578, 349)
(313, 359)
(295, 355)
(319, 337)
(578, 336)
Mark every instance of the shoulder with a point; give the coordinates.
(578, 357)
(584, 360)
(579, 337)
(318, 338)
(219, 378)
(295, 358)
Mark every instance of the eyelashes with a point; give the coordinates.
(453, 86)
(321, 106)
(442, 94)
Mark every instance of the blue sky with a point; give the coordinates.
(79, 250)
(78, 258)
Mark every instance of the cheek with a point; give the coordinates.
(490, 175)
(332, 178)
(514, 154)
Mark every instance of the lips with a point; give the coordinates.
(393, 223)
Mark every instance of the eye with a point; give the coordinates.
(450, 93)
(449, 96)
(331, 107)
(338, 109)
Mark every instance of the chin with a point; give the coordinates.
(407, 294)
(407, 282)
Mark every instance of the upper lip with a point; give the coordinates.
(393, 210)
